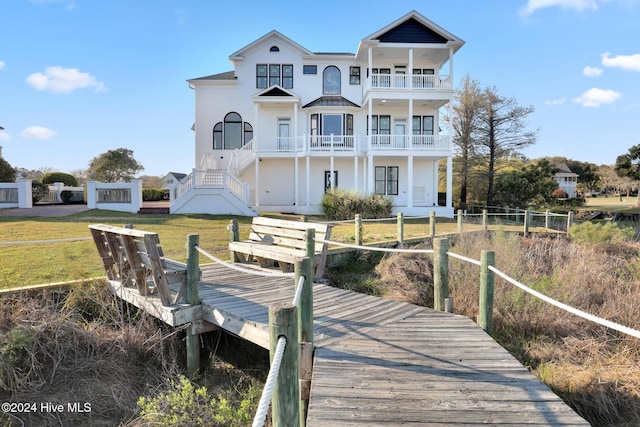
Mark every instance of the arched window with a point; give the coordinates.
(331, 81)
(274, 49)
(248, 132)
(232, 133)
(217, 136)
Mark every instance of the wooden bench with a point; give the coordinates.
(135, 258)
(282, 241)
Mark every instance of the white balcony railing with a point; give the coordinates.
(410, 142)
(423, 82)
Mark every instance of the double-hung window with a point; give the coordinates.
(274, 74)
(386, 180)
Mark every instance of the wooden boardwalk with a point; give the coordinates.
(380, 362)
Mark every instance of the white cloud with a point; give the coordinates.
(595, 97)
(555, 101)
(69, 4)
(578, 5)
(63, 80)
(626, 62)
(3, 65)
(591, 71)
(37, 132)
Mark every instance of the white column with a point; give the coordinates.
(451, 66)
(136, 195)
(355, 173)
(256, 129)
(295, 126)
(331, 168)
(257, 184)
(410, 181)
(410, 70)
(308, 173)
(370, 184)
(25, 193)
(91, 194)
(449, 182)
(296, 184)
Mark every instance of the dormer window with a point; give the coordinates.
(274, 49)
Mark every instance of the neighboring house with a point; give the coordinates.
(287, 124)
(567, 180)
(172, 179)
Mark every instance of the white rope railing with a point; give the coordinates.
(373, 248)
(609, 324)
(240, 269)
(267, 391)
(463, 258)
(33, 242)
(298, 295)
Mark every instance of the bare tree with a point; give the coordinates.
(502, 132)
(467, 108)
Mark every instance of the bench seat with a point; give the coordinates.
(282, 242)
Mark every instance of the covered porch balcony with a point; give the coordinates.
(408, 82)
(353, 143)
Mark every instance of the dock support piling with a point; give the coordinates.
(192, 297)
(487, 280)
(400, 227)
(234, 236)
(440, 273)
(283, 319)
(358, 229)
(432, 224)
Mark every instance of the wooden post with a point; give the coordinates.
(192, 297)
(448, 304)
(234, 236)
(569, 220)
(440, 273)
(432, 224)
(485, 220)
(547, 219)
(459, 221)
(304, 267)
(506, 211)
(285, 407)
(400, 227)
(358, 229)
(526, 222)
(487, 280)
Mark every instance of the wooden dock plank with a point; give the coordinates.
(449, 371)
(379, 362)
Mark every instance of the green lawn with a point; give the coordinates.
(26, 260)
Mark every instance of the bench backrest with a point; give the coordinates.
(132, 256)
(287, 233)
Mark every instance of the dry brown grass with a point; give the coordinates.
(64, 348)
(596, 370)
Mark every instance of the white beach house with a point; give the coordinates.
(286, 124)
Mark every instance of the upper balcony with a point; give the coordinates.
(408, 82)
(340, 145)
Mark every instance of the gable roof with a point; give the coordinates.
(414, 28)
(272, 35)
(227, 75)
(563, 170)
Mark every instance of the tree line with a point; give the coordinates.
(489, 133)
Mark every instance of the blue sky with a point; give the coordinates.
(80, 77)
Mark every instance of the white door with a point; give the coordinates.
(284, 139)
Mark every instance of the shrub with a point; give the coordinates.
(591, 233)
(38, 191)
(560, 194)
(154, 194)
(341, 204)
(185, 404)
(65, 178)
